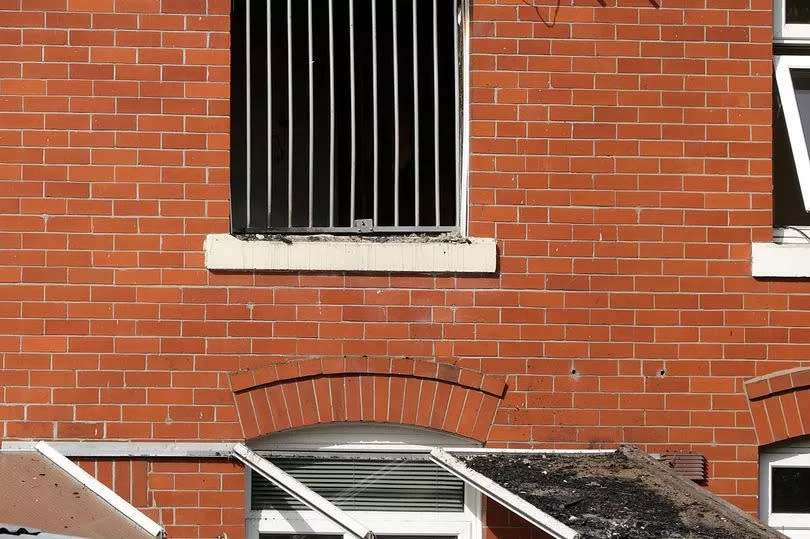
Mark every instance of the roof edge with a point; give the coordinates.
(101, 490)
(645, 460)
(513, 502)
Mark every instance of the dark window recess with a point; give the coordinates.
(346, 116)
(790, 490)
(797, 12)
(363, 484)
(788, 204)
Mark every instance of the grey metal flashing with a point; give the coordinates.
(129, 449)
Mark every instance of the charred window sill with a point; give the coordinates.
(394, 254)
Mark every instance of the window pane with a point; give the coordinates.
(797, 12)
(356, 484)
(801, 83)
(315, 135)
(788, 206)
(790, 489)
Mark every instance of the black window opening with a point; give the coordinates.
(789, 209)
(788, 201)
(790, 488)
(797, 12)
(346, 116)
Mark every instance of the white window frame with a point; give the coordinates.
(782, 31)
(796, 455)
(463, 525)
(790, 108)
(366, 438)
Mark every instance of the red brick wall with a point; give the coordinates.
(620, 154)
(189, 497)
(500, 523)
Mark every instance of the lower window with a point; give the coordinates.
(387, 492)
(785, 488)
(389, 485)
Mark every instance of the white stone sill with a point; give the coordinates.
(228, 253)
(780, 259)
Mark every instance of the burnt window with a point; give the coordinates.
(346, 116)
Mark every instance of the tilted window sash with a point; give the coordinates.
(785, 68)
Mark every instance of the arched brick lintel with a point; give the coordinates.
(780, 404)
(435, 395)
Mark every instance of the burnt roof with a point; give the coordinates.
(624, 494)
(37, 494)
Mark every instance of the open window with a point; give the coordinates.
(789, 253)
(791, 163)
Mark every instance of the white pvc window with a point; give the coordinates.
(784, 488)
(365, 441)
(791, 20)
(793, 83)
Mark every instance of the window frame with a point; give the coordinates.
(796, 455)
(241, 131)
(463, 525)
(787, 254)
(365, 438)
(787, 97)
(787, 32)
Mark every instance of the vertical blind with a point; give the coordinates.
(346, 115)
(356, 483)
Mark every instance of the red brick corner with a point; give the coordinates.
(780, 404)
(406, 391)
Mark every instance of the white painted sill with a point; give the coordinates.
(228, 253)
(780, 259)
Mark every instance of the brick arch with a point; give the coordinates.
(780, 404)
(435, 395)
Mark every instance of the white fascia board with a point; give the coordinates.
(129, 449)
(101, 490)
(228, 253)
(301, 492)
(514, 503)
(780, 260)
(790, 108)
